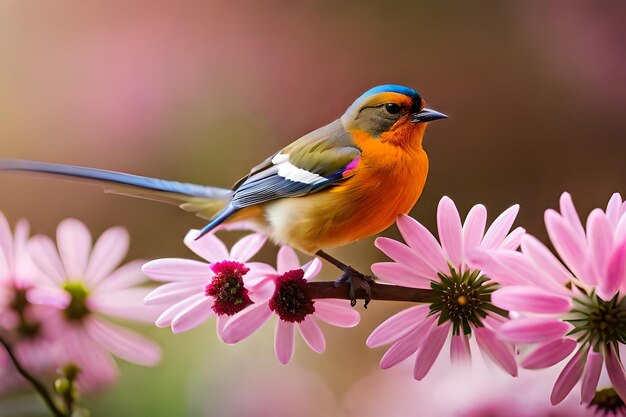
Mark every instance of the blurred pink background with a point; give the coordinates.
(201, 91)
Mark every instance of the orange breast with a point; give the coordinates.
(388, 181)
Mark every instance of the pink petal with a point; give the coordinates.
(259, 271)
(193, 315)
(534, 330)
(126, 304)
(284, 341)
(615, 370)
(569, 214)
(174, 269)
(124, 343)
(287, 260)
(499, 352)
(600, 237)
(6, 243)
(513, 240)
(46, 257)
(127, 275)
(312, 334)
(568, 378)
(261, 291)
(408, 345)
(474, 227)
(500, 228)
(220, 324)
(51, 296)
(620, 230)
(397, 326)
(592, 376)
(422, 241)
(108, 252)
(174, 291)
(428, 352)
(522, 270)
(74, 242)
(404, 255)
(336, 313)
(614, 209)
(450, 231)
(549, 354)
(247, 247)
(544, 260)
(615, 275)
(489, 263)
(98, 367)
(399, 274)
(571, 249)
(165, 319)
(312, 268)
(460, 349)
(246, 322)
(531, 300)
(209, 246)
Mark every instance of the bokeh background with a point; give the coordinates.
(201, 91)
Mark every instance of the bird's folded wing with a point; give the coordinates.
(310, 164)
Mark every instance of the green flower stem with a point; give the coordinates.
(38, 385)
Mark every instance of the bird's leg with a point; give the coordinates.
(358, 281)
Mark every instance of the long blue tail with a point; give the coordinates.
(154, 184)
(207, 202)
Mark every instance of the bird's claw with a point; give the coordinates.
(358, 283)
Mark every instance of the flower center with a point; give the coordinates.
(607, 403)
(227, 288)
(25, 329)
(77, 309)
(19, 302)
(291, 299)
(464, 299)
(598, 322)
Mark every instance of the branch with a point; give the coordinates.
(41, 389)
(379, 292)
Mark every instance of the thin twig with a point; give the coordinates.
(41, 389)
(379, 292)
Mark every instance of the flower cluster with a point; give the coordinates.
(54, 299)
(243, 295)
(460, 306)
(497, 290)
(574, 304)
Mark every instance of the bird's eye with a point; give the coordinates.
(392, 108)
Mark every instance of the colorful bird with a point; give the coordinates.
(338, 184)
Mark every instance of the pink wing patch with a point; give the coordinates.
(350, 167)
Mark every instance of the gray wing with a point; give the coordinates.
(313, 162)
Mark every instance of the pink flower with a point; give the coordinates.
(23, 324)
(289, 301)
(461, 304)
(466, 392)
(574, 305)
(82, 283)
(196, 291)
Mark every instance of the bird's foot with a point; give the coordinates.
(359, 283)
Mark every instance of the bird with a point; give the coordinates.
(333, 186)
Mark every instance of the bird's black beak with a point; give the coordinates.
(427, 115)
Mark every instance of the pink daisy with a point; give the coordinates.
(289, 300)
(460, 305)
(83, 283)
(23, 324)
(576, 305)
(195, 291)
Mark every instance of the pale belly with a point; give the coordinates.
(343, 214)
